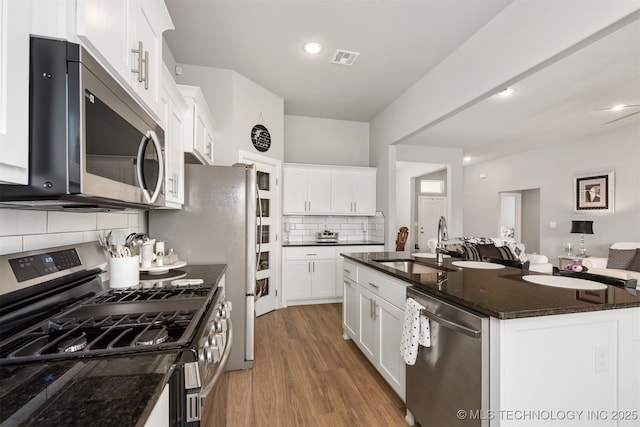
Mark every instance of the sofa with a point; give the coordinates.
(622, 262)
(493, 248)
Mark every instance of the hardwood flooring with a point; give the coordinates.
(304, 374)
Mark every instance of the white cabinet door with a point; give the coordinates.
(350, 308)
(306, 191)
(145, 47)
(173, 122)
(341, 192)
(389, 320)
(367, 334)
(323, 278)
(103, 26)
(14, 91)
(297, 275)
(294, 193)
(126, 35)
(319, 191)
(198, 141)
(364, 192)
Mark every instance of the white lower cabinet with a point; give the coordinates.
(373, 314)
(313, 274)
(309, 274)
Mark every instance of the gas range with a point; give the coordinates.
(63, 314)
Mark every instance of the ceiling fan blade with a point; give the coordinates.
(623, 117)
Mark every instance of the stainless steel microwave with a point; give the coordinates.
(91, 145)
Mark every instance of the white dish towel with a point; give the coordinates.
(415, 331)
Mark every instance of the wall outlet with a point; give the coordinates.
(602, 358)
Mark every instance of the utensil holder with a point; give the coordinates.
(124, 272)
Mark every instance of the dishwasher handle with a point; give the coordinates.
(451, 325)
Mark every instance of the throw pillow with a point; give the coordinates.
(634, 265)
(489, 251)
(620, 258)
(470, 253)
(505, 253)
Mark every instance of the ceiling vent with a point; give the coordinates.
(344, 57)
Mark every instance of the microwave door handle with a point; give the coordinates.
(151, 135)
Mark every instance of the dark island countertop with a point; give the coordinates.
(338, 243)
(500, 293)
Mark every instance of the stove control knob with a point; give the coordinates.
(221, 339)
(215, 326)
(212, 354)
(227, 305)
(211, 340)
(223, 325)
(221, 312)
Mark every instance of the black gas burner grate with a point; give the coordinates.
(97, 335)
(155, 293)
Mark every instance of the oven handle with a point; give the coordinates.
(204, 391)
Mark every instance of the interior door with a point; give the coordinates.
(267, 243)
(430, 209)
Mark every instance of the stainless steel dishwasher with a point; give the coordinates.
(449, 383)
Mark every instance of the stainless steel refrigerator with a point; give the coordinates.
(217, 224)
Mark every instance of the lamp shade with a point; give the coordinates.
(582, 227)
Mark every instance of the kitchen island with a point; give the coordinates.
(552, 352)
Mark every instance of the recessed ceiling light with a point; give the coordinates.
(506, 92)
(312, 47)
(466, 159)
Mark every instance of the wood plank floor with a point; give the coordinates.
(304, 374)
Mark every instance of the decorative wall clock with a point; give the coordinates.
(260, 138)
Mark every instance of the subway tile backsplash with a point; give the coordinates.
(349, 228)
(25, 230)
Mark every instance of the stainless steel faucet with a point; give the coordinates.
(442, 237)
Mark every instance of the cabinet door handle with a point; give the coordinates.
(138, 70)
(314, 266)
(375, 309)
(309, 265)
(145, 61)
(373, 285)
(355, 207)
(347, 271)
(371, 308)
(309, 205)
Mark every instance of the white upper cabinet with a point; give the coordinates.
(173, 122)
(198, 141)
(329, 190)
(127, 36)
(14, 92)
(353, 191)
(307, 190)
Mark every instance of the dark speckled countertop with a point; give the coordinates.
(500, 293)
(338, 243)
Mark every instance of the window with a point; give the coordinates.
(431, 186)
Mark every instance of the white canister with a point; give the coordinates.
(124, 272)
(146, 255)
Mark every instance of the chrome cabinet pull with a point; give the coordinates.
(348, 271)
(145, 61)
(138, 71)
(375, 315)
(373, 285)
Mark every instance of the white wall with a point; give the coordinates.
(25, 230)
(551, 169)
(536, 31)
(325, 141)
(237, 104)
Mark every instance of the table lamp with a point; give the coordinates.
(582, 228)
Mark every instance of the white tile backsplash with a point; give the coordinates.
(61, 222)
(16, 222)
(349, 228)
(25, 230)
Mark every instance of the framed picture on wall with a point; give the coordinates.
(594, 192)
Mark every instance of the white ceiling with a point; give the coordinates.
(399, 42)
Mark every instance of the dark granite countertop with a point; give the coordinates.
(118, 390)
(500, 293)
(110, 391)
(338, 243)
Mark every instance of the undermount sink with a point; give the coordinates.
(565, 282)
(408, 266)
(478, 264)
